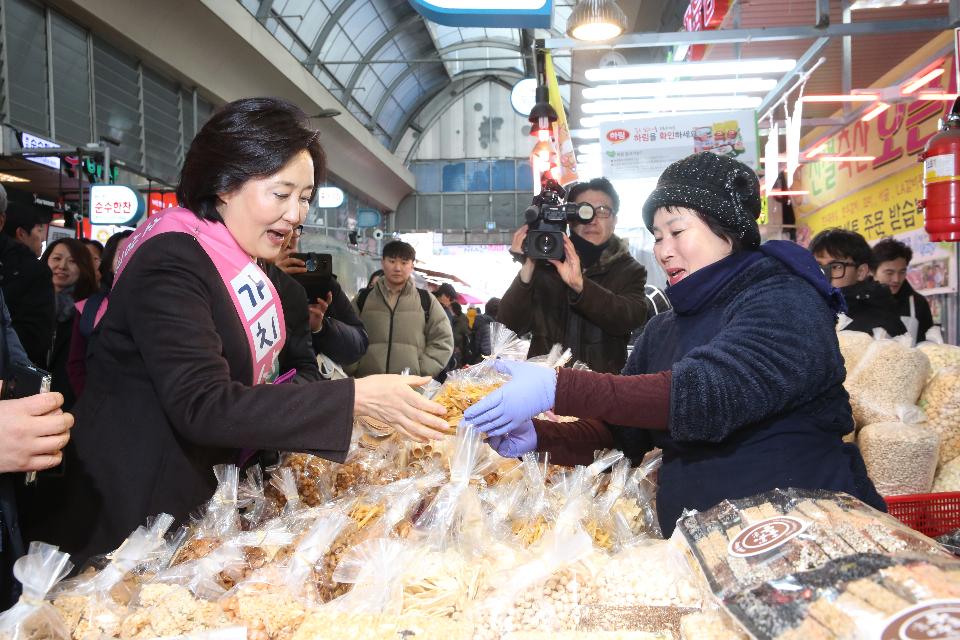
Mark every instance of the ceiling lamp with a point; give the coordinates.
(936, 95)
(841, 97)
(6, 177)
(922, 80)
(596, 20)
(886, 4)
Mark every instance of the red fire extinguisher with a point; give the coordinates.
(941, 180)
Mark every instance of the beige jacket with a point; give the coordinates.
(399, 337)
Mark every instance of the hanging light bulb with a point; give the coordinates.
(596, 20)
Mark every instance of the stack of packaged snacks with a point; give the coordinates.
(890, 373)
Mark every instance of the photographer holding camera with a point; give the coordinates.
(590, 300)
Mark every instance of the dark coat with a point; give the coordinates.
(11, 542)
(57, 365)
(920, 305)
(28, 288)
(872, 306)
(756, 397)
(343, 337)
(168, 396)
(596, 324)
(298, 351)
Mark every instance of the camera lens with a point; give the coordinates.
(311, 264)
(545, 243)
(585, 212)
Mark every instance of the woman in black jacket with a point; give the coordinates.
(189, 343)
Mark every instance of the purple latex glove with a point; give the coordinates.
(531, 391)
(517, 442)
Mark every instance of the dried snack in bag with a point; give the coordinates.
(375, 568)
(891, 373)
(464, 388)
(948, 477)
(165, 610)
(31, 618)
(299, 574)
(853, 346)
(901, 456)
(652, 574)
(742, 543)
(940, 355)
(710, 625)
(96, 605)
(941, 404)
(219, 519)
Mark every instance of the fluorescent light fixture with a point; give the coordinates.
(916, 83)
(679, 88)
(930, 95)
(844, 158)
(886, 4)
(698, 103)
(874, 111)
(596, 121)
(775, 193)
(842, 97)
(6, 177)
(593, 147)
(680, 52)
(596, 20)
(690, 69)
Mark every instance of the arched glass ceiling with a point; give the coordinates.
(383, 61)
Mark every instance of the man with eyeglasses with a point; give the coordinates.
(846, 259)
(592, 300)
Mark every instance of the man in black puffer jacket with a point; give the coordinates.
(846, 259)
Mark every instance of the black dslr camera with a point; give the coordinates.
(548, 218)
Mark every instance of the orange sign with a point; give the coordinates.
(894, 138)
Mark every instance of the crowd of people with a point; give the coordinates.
(170, 346)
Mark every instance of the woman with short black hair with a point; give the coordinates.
(189, 343)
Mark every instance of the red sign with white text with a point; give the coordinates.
(704, 15)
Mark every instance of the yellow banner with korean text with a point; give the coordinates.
(895, 139)
(886, 208)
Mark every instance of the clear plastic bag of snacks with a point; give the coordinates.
(940, 402)
(901, 456)
(891, 373)
(940, 355)
(742, 543)
(32, 618)
(853, 346)
(375, 568)
(94, 605)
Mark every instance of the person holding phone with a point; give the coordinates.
(336, 330)
(189, 344)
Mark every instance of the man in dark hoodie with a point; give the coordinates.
(891, 258)
(846, 259)
(591, 301)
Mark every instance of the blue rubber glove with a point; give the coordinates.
(531, 391)
(516, 443)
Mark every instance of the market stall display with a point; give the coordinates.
(940, 402)
(890, 373)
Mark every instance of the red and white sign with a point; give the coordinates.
(157, 201)
(618, 135)
(765, 536)
(704, 15)
(934, 620)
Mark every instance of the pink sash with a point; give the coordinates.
(254, 297)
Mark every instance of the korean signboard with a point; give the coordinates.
(515, 14)
(114, 204)
(644, 148)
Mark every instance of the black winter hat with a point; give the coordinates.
(716, 186)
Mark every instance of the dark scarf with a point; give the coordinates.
(697, 290)
(588, 252)
(64, 304)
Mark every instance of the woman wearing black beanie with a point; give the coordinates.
(740, 384)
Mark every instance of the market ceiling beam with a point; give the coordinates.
(412, 20)
(774, 96)
(403, 75)
(482, 75)
(764, 34)
(332, 20)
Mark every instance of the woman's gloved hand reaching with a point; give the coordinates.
(530, 391)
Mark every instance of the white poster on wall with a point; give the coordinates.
(931, 271)
(644, 148)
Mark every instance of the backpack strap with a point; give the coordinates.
(362, 299)
(425, 302)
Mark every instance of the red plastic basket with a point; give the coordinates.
(931, 514)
